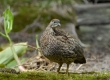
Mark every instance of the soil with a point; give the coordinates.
(98, 53)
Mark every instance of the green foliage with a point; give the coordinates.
(7, 55)
(8, 20)
(33, 75)
(13, 63)
(37, 45)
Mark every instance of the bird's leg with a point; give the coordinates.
(67, 68)
(60, 64)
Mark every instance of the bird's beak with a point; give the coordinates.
(59, 24)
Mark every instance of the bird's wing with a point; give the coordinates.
(70, 43)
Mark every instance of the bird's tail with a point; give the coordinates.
(81, 61)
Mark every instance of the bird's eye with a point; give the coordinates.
(53, 21)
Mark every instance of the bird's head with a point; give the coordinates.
(54, 23)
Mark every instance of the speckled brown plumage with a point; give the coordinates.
(59, 46)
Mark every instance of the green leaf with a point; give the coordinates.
(6, 55)
(13, 63)
(8, 20)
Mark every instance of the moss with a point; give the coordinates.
(40, 75)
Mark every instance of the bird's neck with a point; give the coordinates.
(50, 30)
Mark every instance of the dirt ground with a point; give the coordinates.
(97, 55)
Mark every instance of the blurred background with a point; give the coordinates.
(87, 20)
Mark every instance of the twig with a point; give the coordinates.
(79, 67)
(29, 46)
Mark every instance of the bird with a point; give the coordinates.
(59, 46)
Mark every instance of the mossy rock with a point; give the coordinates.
(40, 75)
